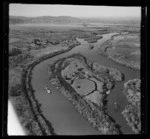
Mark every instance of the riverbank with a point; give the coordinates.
(90, 112)
(26, 106)
(131, 65)
(85, 106)
(132, 90)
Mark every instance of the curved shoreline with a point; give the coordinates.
(137, 68)
(44, 125)
(106, 125)
(103, 53)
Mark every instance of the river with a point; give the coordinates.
(60, 112)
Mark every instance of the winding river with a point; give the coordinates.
(60, 112)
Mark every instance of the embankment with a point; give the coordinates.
(39, 124)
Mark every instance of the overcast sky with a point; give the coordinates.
(32, 10)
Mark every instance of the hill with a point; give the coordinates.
(69, 19)
(43, 19)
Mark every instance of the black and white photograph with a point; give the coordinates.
(74, 70)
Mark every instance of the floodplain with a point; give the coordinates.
(89, 85)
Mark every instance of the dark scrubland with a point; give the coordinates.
(14, 52)
(132, 112)
(93, 39)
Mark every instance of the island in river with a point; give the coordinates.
(85, 84)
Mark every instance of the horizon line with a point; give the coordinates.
(77, 16)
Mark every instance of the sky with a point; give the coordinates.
(32, 10)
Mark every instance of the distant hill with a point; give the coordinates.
(69, 19)
(43, 19)
(15, 20)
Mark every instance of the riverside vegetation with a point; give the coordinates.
(132, 112)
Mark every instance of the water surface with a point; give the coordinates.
(60, 112)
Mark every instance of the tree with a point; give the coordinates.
(14, 52)
(15, 90)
